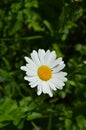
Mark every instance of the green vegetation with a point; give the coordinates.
(58, 25)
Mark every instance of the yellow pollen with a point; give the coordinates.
(44, 72)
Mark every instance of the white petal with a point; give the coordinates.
(59, 87)
(64, 79)
(58, 68)
(31, 67)
(30, 62)
(63, 73)
(41, 54)
(51, 58)
(59, 77)
(24, 68)
(46, 56)
(31, 73)
(46, 88)
(33, 84)
(52, 86)
(31, 79)
(35, 58)
(39, 89)
(26, 78)
(27, 59)
(62, 62)
(57, 83)
(56, 62)
(60, 82)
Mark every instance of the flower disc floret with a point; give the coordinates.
(44, 72)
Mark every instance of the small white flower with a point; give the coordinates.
(43, 71)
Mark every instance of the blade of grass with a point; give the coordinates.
(35, 126)
(50, 122)
(21, 38)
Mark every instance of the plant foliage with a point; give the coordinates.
(33, 24)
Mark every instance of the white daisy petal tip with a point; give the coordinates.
(51, 95)
(60, 87)
(25, 78)
(26, 58)
(44, 71)
(23, 68)
(39, 93)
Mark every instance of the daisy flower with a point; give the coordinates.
(43, 70)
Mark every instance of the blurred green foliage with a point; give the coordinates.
(33, 24)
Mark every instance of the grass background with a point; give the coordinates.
(32, 24)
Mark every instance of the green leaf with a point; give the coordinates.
(33, 115)
(68, 124)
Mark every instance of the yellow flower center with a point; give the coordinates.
(44, 72)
